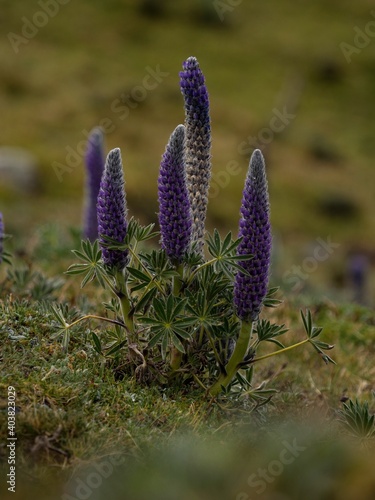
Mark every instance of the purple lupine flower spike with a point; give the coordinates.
(1, 237)
(112, 211)
(175, 216)
(94, 161)
(198, 144)
(255, 230)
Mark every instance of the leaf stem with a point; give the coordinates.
(176, 355)
(125, 306)
(93, 316)
(280, 351)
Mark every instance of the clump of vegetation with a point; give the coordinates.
(180, 319)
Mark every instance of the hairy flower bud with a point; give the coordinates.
(175, 217)
(255, 230)
(94, 161)
(198, 144)
(112, 211)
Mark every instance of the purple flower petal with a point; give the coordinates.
(255, 229)
(112, 211)
(175, 216)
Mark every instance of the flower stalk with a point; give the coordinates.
(236, 359)
(94, 161)
(198, 144)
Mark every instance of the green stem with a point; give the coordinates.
(125, 305)
(237, 357)
(176, 355)
(93, 316)
(280, 351)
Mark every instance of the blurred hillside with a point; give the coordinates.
(261, 60)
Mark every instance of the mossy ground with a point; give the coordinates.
(74, 409)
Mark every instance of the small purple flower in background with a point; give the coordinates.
(175, 216)
(358, 270)
(94, 161)
(255, 230)
(1, 237)
(112, 211)
(198, 144)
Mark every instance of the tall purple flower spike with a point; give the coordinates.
(175, 216)
(112, 211)
(94, 161)
(1, 237)
(255, 230)
(198, 144)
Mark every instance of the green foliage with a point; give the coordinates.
(357, 419)
(313, 333)
(177, 325)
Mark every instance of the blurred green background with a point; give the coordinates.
(257, 57)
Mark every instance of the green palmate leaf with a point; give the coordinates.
(169, 324)
(307, 322)
(113, 306)
(224, 253)
(158, 265)
(177, 343)
(312, 333)
(88, 278)
(169, 308)
(66, 339)
(90, 254)
(96, 342)
(269, 300)
(268, 332)
(357, 418)
(164, 345)
(184, 322)
(113, 244)
(202, 309)
(139, 275)
(155, 339)
(77, 269)
(144, 233)
(160, 310)
(145, 300)
(152, 321)
(138, 233)
(58, 333)
(58, 315)
(6, 257)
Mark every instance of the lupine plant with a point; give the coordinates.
(94, 161)
(178, 317)
(198, 144)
